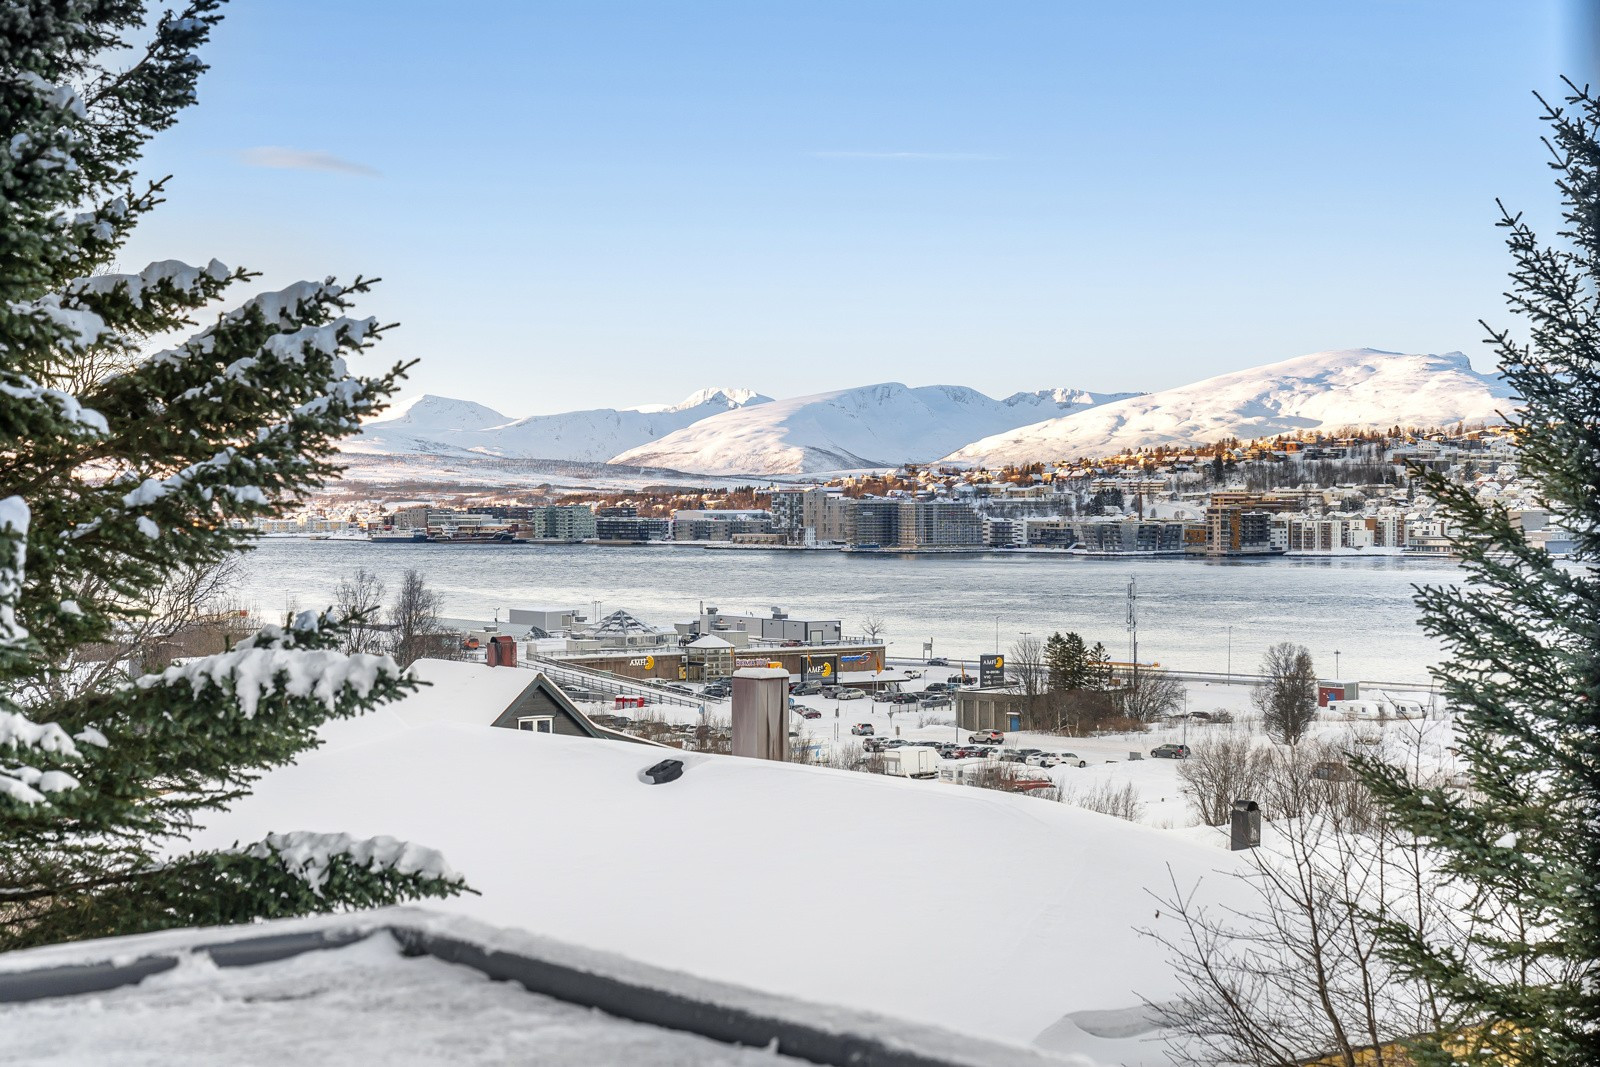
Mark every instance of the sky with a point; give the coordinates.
(602, 203)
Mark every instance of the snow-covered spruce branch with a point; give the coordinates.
(313, 858)
(273, 664)
(26, 784)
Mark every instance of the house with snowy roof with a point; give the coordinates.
(476, 694)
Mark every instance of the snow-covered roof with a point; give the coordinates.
(741, 830)
(391, 985)
(709, 641)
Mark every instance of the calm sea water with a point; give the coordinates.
(1190, 612)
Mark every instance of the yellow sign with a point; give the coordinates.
(683, 674)
(649, 663)
(826, 669)
(999, 663)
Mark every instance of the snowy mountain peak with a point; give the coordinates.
(879, 425)
(1065, 398)
(721, 398)
(439, 412)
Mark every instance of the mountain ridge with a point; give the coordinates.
(721, 431)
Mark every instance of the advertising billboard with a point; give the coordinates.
(991, 671)
(821, 669)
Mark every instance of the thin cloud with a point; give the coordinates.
(927, 157)
(300, 159)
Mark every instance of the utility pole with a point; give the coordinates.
(1133, 628)
(1230, 655)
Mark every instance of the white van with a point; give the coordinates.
(912, 761)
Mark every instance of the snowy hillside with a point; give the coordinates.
(1361, 387)
(439, 425)
(870, 426)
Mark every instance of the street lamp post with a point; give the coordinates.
(1336, 664)
(1230, 655)
(997, 635)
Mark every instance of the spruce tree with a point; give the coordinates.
(160, 462)
(1522, 671)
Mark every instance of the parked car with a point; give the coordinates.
(986, 737)
(806, 689)
(934, 687)
(904, 698)
(805, 712)
(1170, 752)
(1011, 755)
(913, 674)
(862, 729)
(716, 692)
(1072, 759)
(851, 694)
(938, 661)
(674, 687)
(929, 700)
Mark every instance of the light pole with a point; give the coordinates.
(1336, 674)
(1230, 655)
(1024, 634)
(997, 635)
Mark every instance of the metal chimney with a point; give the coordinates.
(761, 713)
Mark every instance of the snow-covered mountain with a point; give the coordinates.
(439, 425)
(1362, 387)
(869, 426)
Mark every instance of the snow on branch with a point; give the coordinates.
(261, 667)
(283, 308)
(171, 274)
(22, 387)
(27, 784)
(309, 856)
(14, 518)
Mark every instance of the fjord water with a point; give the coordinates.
(1358, 605)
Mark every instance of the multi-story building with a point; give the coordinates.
(626, 524)
(1237, 526)
(938, 524)
(718, 525)
(1302, 533)
(569, 522)
(876, 523)
(1003, 533)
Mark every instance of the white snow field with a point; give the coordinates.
(1360, 387)
(990, 914)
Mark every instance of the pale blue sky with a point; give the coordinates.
(603, 203)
